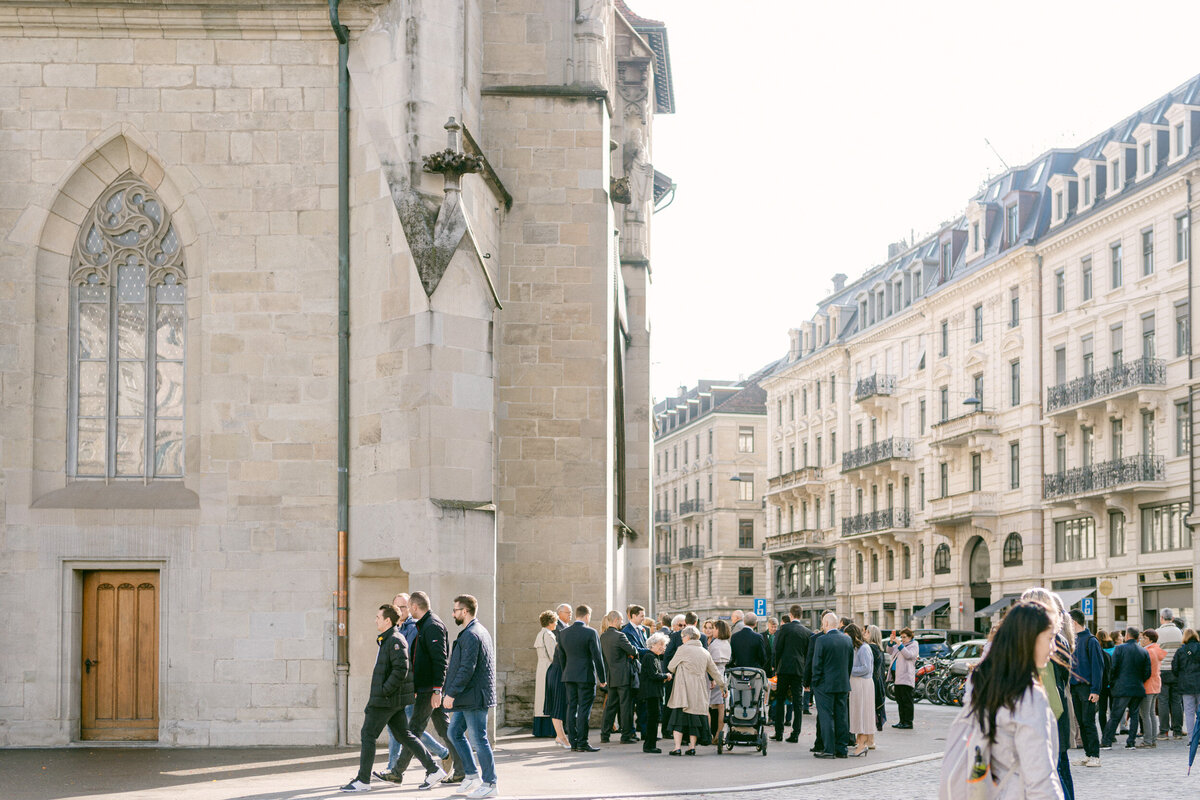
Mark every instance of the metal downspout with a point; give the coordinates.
(343, 412)
(1039, 388)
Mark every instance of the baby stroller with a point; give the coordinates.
(745, 710)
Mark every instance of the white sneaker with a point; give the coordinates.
(432, 779)
(468, 785)
(356, 786)
(1094, 761)
(483, 790)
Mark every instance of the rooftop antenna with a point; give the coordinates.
(997, 152)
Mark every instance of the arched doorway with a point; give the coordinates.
(979, 573)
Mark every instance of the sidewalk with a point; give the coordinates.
(527, 768)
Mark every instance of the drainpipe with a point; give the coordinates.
(343, 412)
(1041, 439)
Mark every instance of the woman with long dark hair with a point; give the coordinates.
(1055, 678)
(1008, 702)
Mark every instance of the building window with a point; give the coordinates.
(1183, 332)
(944, 403)
(1181, 238)
(1117, 438)
(1183, 428)
(1116, 338)
(976, 472)
(1163, 528)
(1179, 139)
(128, 327)
(944, 348)
(1014, 550)
(975, 236)
(977, 313)
(1116, 533)
(1014, 308)
(710, 441)
(1089, 359)
(874, 567)
(818, 394)
(921, 560)
(1146, 158)
(921, 416)
(745, 441)
(685, 452)
(1148, 252)
(1060, 452)
(746, 581)
(906, 562)
(745, 533)
(831, 588)
(745, 486)
(1148, 447)
(1085, 279)
(943, 479)
(1058, 205)
(1013, 225)
(1115, 255)
(833, 447)
(792, 406)
(1148, 349)
(941, 559)
(921, 489)
(858, 567)
(1014, 383)
(1014, 465)
(1085, 445)
(804, 401)
(1060, 291)
(1074, 539)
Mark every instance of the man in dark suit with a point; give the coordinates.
(830, 662)
(637, 637)
(564, 618)
(791, 662)
(678, 623)
(583, 667)
(748, 648)
(1131, 669)
(620, 666)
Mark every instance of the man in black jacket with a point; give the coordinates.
(430, 652)
(391, 691)
(583, 666)
(829, 667)
(620, 667)
(748, 648)
(1087, 674)
(1131, 669)
(791, 665)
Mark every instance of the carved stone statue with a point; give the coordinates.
(638, 170)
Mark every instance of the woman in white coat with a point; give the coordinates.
(544, 644)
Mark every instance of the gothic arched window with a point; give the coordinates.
(941, 559)
(127, 338)
(1014, 550)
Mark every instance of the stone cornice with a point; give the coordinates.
(233, 19)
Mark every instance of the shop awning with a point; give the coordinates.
(931, 608)
(999, 605)
(1072, 596)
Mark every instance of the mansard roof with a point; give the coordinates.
(712, 397)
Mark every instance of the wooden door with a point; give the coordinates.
(120, 655)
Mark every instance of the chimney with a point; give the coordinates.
(839, 282)
(896, 248)
(793, 344)
(682, 392)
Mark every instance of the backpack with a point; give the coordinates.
(967, 763)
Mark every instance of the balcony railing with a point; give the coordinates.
(1105, 475)
(957, 430)
(792, 540)
(876, 521)
(662, 515)
(963, 506)
(873, 385)
(691, 551)
(797, 477)
(661, 559)
(876, 452)
(690, 507)
(1142, 372)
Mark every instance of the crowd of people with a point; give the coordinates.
(668, 680)
(1040, 686)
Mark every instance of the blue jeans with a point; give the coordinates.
(433, 745)
(473, 723)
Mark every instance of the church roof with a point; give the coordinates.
(655, 34)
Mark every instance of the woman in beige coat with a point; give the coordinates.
(692, 667)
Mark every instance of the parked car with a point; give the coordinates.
(967, 654)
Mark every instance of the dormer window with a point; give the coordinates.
(1182, 121)
(975, 237)
(1058, 205)
(1122, 161)
(947, 251)
(1114, 174)
(1146, 162)
(1087, 190)
(1179, 142)
(1012, 215)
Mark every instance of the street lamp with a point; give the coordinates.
(975, 403)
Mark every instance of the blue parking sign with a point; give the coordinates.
(760, 606)
(1088, 606)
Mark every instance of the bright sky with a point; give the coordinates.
(809, 135)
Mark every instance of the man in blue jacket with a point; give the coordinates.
(1130, 669)
(1087, 679)
(583, 666)
(829, 676)
(470, 691)
(637, 637)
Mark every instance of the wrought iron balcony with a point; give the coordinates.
(870, 522)
(661, 559)
(689, 507)
(662, 515)
(691, 551)
(962, 507)
(874, 385)
(1142, 372)
(793, 541)
(1106, 475)
(879, 451)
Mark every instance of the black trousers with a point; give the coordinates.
(397, 722)
(618, 705)
(1103, 706)
(423, 712)
(1085, 714)
(833, 719)
(1119, 706)
(1170, 705)
(650, 732)
(580, 697)
(904, 703)
(788, 687)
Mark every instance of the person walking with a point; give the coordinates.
(430, 654)
(470, 692)
(583, 668)
(862, 692)
(1087, 673)
(653, 680)
(1147, 718)
(1170, 699)
(904, 659)
(875, 641)
(1010, 708)
(831, 662)
(391, 691)
(791, 663)
(720, 651)
(544, 644)
(1186, 666)
(1131, 669)
(692, 667)
(620, 665)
